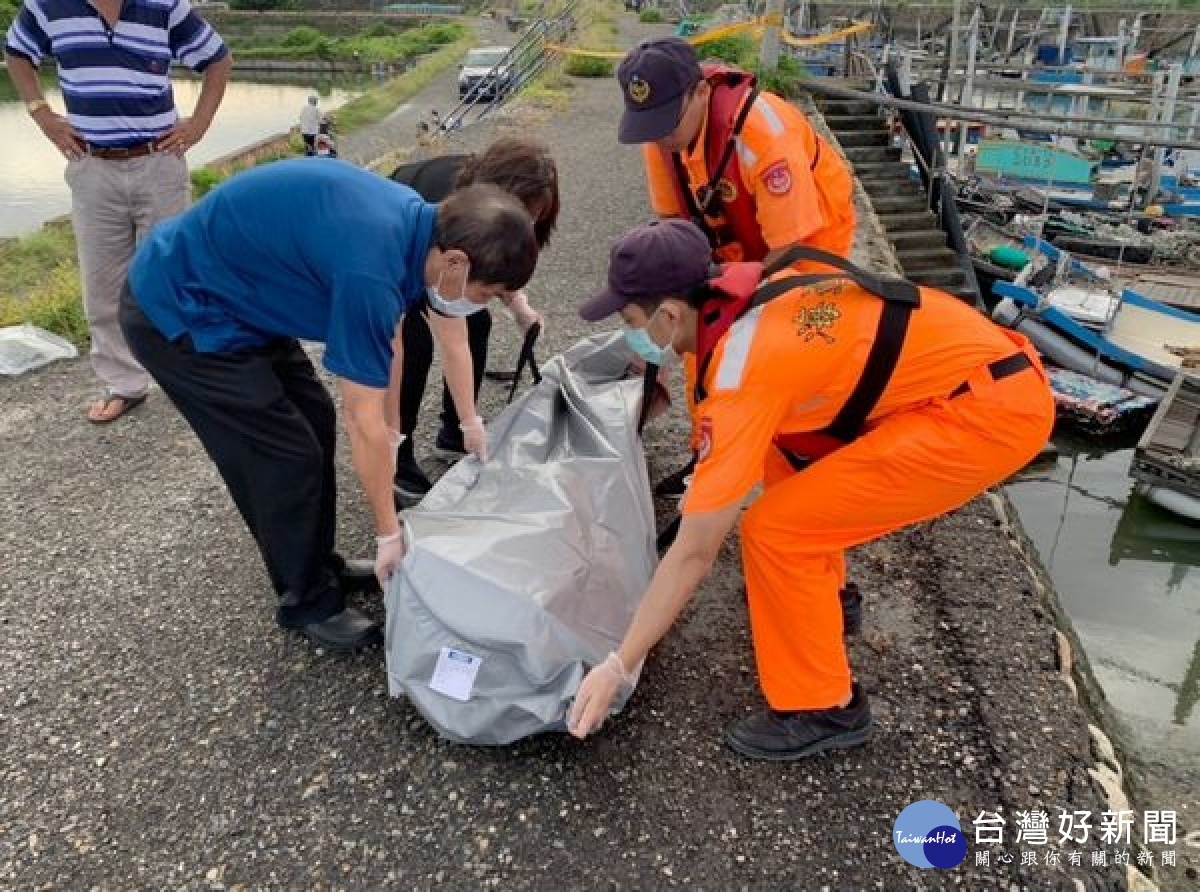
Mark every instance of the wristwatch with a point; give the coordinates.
(33, 106)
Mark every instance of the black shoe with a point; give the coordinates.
(358, 576)
(676, 485)
(411, 483)
(851, 609)
(344, 632)
(450, 441)
(784, 736)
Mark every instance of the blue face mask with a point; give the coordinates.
(643, 345)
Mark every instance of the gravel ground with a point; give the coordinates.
(160, 731)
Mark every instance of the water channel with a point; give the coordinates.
(31, 169)
(1128, 575)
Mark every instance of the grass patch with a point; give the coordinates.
(597, 32)
(380, 43)
(56, 305)
(24, 261)
(588, 66)
(651, 16)
(742, 50)
(378, 103)
(39, 284)
(549, 90)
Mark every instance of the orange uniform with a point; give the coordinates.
(803, 191)
(948, 426)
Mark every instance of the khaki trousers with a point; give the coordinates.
(113, 205)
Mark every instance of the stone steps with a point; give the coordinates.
(898, 200)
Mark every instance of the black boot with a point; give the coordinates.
(784, 736)
(344, 632)
(355, 576)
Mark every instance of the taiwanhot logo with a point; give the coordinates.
(928, 834)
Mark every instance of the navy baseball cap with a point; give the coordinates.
(653, 260)
(655, 77)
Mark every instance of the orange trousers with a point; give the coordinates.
(908, 468)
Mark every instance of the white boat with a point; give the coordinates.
(1172, 500)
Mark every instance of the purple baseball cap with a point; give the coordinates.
(655, 77)
(653, 260)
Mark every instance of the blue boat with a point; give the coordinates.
(1128, 349)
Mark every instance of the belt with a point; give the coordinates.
(1001, 368)
(121, 153)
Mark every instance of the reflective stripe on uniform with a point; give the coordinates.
(770, 116)
(737, 351)
(746, 157)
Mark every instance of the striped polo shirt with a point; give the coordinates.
(116, 81)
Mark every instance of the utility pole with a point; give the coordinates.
(967, 98)
(955, 29)
(769, 51)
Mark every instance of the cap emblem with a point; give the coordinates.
(639, 90)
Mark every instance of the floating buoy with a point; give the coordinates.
(1008, 257)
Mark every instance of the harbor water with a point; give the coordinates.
(32, 189)
(1126, 573)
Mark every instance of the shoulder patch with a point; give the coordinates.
(778, 178)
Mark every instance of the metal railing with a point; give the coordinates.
(520, 65)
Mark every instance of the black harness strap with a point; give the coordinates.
(900, 298)
(709, 192)
(527, 358)
(649, 382)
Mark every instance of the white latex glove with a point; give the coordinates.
(595, 696)
(389, 552)
(475, 437)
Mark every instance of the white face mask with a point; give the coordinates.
(458, 308)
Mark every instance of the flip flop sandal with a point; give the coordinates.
(107, 398)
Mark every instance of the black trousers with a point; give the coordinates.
(270, 427)
(418, 357)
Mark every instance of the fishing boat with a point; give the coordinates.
(1137, 347)
(1095, 408)
(1166, 462)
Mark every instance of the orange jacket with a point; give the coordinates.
(789, 366)
(802, 189)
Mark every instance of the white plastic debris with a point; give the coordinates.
(27, 347)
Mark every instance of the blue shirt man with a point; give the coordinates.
(123, 139)
(316, 251)
(319, 250)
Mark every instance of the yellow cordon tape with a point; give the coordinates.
(822, 39)
(717, 33)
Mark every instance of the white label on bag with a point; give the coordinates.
(454, 674)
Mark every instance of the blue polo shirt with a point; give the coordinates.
(315, 249)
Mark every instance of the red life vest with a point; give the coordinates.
(723, 207)
(741, 287)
